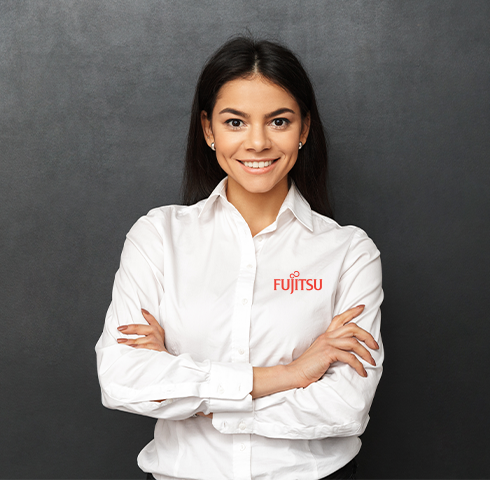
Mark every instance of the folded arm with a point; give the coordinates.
(132, 379)
(338, 403)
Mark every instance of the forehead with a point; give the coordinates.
(256, 94)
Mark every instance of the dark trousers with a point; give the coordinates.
(348, 471)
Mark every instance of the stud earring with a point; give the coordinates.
(300, 146)
(212, 147)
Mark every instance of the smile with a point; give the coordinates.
(258, 164)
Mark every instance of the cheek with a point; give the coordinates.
(227, 144)
(289, 145)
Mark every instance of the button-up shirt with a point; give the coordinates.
(228, 302)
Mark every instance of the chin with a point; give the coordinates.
(259, 185)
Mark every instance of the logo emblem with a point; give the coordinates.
(293, 283)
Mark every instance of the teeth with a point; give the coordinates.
(257, 164)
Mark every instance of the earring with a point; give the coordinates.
(212, 147)
(300, 145)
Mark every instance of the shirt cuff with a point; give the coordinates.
(230, 382)
(234, 422)
(230, 388)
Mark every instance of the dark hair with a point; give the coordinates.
(242, 57)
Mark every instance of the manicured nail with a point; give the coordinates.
(145, 311)
(122, 328)
(122, 340)
(365, 373)
(377, 345)
(373, 363)
(360, 306)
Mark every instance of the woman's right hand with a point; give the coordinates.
(335, 345)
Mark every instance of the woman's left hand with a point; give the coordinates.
(154, 334)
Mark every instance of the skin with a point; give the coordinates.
(256, 120)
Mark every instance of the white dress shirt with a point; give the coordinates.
(229, 301)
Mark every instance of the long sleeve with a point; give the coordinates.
(133, 379)
(338, 404)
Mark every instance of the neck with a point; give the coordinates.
(259, 210)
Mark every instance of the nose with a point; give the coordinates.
(258, 139)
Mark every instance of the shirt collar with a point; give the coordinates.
(294, 201)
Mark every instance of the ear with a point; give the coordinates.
(305, 128)
(206, 128)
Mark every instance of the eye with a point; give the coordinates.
(234, 122)
(280, 122)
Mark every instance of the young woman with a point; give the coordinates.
(247, 321)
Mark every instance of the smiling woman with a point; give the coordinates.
(256, 129)
(247, 380)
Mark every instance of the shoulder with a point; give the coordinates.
(351, 237)
(163, 221)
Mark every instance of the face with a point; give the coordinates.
(256, 128)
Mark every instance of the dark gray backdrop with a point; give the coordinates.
(94, 106)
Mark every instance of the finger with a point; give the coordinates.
(353, 361)
(148, 343)
(147, 346)
(352, 345)
(135, 329)
(353, 330)
(345, 317)
(141, 340)
(149, 317)
(127, 341)
(153, 321)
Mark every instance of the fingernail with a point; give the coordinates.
(361, 306)
(122, 327)
(145, 311)
(377, 345)
(121, 340)
(373, 363)
(365, 373)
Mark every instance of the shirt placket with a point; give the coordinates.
(240, 347)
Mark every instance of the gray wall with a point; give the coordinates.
(94, 105)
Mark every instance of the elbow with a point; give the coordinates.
(111, 402)
(109, 394)
(360, 420)
(352, 412)
(353, 423)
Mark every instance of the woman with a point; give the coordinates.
(260, 353)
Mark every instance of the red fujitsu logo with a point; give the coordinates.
(293, 283)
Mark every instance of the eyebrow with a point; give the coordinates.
(246, 115)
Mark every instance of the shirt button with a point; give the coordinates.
(242, 447)
(242, 426)
(244, 301)
(250, 266)
(241, 351)
(225, 424)
(260, 238)
(221, 389)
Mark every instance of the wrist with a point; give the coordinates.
(287, 377)
(269, 380)
(292, 376)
